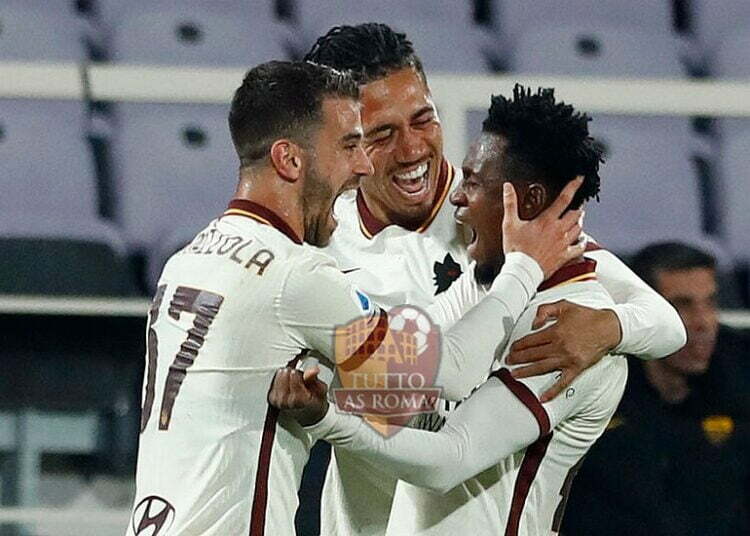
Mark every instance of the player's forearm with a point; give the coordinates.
(650, 329)
(469, 443)
(650, 326)
(402, 455)
(468, 348)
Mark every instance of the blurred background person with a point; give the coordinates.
(676, 456)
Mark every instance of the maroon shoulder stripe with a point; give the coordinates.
(527, 397)
(532, 459)
(371, 224)
(568, 272)
(273, 219)
(260, 496)
(592, 246)
(368, 347)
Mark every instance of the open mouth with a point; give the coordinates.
(414, 183)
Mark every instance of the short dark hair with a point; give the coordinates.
(370, 51)
(546, 140)
(282, 99)
(669, 256)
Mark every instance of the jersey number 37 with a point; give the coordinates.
(204, 305)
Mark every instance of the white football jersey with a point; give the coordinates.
(394, 266)
(524, 494)
(240, 301)
(503, 463)
(399, 266)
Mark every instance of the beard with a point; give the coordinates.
(317, 198)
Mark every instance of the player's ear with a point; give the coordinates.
(286, 158)
(532, 200)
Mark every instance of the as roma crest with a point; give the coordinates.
(387, 367)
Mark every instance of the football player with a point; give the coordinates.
(247, 296)
(398, 240)
(504, 461)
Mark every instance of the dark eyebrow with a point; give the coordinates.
(352, 136)
(423, 110)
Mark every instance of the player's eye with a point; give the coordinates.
(380, 137)
(423, 120)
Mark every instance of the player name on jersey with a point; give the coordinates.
(243, 251)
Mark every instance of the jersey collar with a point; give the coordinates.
(250, 209)
(583, 270)
(370, 225)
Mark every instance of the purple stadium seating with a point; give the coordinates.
(34, 30)
(735, 191)
(224, 33)
(649, 185)
(45, 162)
(715, 20)
(595, 49)
(175, 167)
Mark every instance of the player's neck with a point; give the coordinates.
(375, 206)
(276, 195)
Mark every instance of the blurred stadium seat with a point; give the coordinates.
(650, 189)
(732, 58)
(194, 33)
(514, 19)
(175, 167)
(42, 30)
(713, 21)
(442, 31)
(735, 192)
(86, 255)
(595, 49)
(45, 162)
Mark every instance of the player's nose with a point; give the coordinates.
(362, 163)
(458, 197)
(412, 147)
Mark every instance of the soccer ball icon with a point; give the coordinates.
(413, 323)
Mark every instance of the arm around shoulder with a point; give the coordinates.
(651, 327)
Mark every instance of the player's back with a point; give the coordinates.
(212, 455)
(524, 494)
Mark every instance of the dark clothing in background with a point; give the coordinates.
(673, 469)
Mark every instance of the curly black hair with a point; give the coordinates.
(546, 140)
(370, 51)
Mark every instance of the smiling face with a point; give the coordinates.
(479, 205)
(336, 163)
(404, 141)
